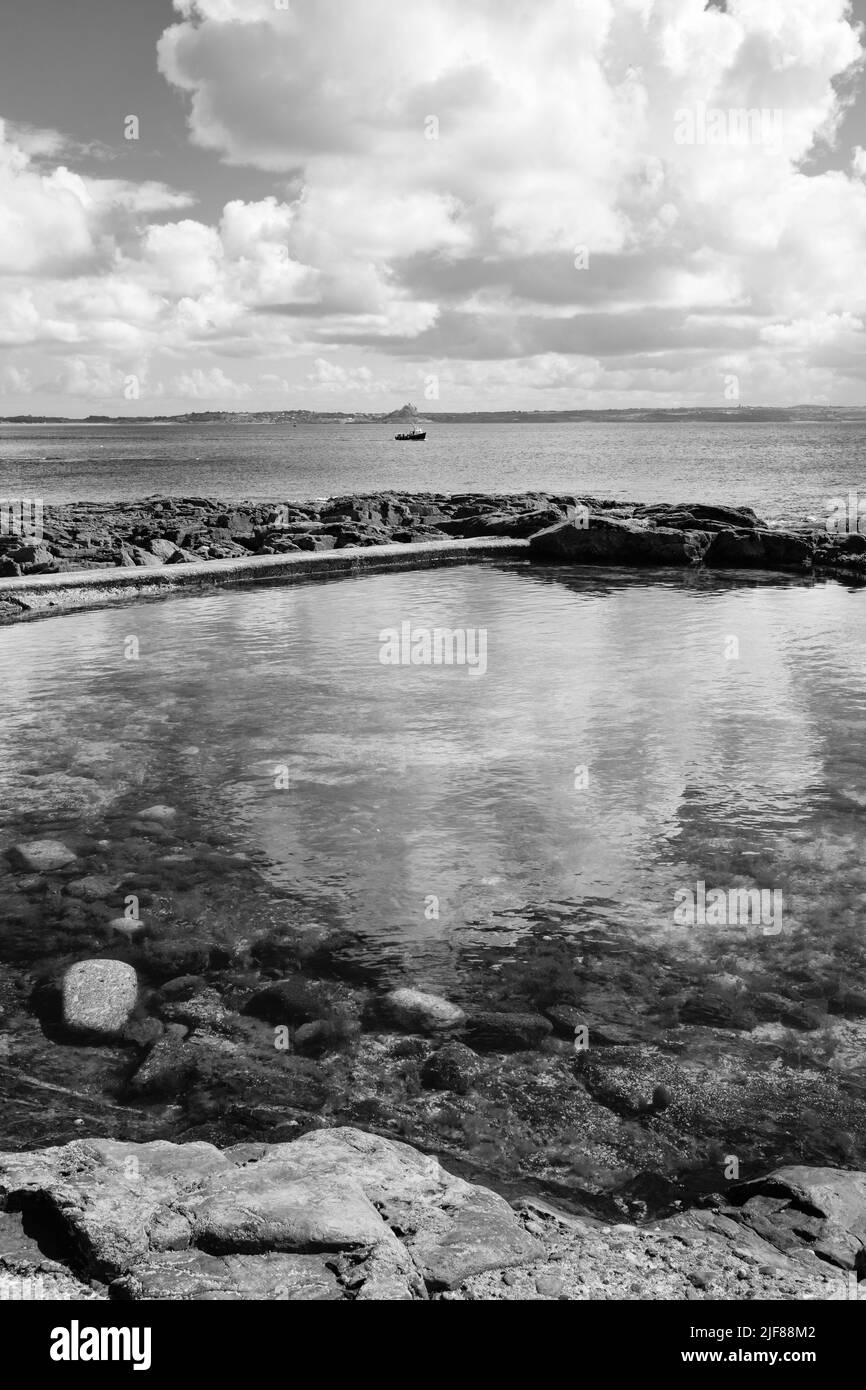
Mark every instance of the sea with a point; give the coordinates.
(788, 471)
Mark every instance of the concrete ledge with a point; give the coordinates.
(41, 594)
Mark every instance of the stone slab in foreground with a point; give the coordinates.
(341, 1215)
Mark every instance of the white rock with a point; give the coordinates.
(162, 814)
(413, 1009)
(99, 996)
(40, 856)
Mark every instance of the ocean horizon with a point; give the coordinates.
(786, 470)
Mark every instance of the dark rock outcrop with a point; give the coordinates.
(562, 528)
(759, 549)
(607, 540)
(492, 1031)
(818, 1209)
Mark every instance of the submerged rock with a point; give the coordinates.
(41, 856)
(453, 1067)
(291, 1002)
(98, 996)
(162, 815)
(92, 888)
(507, 1032)
(325, 1035)
(185, 956)
(416, 1011)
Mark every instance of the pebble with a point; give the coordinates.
(549, 1287)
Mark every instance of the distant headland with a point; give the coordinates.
(736, 414)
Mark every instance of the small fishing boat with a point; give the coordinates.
(416, 434)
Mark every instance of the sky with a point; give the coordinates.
(469, 204)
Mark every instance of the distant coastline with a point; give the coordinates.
(733, 414)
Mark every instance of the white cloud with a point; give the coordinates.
(330, 376)
(90, 377)
(211, 385)
(14, 382)
(440, 167)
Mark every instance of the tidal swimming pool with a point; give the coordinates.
(490, 776)
(623, 739)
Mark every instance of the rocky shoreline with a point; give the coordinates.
(159, 532)
(340, 1215)
(171, 1024)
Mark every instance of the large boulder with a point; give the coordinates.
(759, 549)
(819, 1209)
(337, 1214)
(98, 996)
(607, 540)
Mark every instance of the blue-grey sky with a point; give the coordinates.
(469, 203)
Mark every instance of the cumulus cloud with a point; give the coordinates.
(666, 142)
(212, 385)
(331, 376)
(14, 382)
(611, 197)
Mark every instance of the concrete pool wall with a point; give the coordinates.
(41, 595)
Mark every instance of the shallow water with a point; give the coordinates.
(443, 814)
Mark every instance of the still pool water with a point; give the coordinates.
(630, 736)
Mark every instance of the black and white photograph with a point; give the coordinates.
(432, 672)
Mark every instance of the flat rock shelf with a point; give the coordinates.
(341, 1215)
